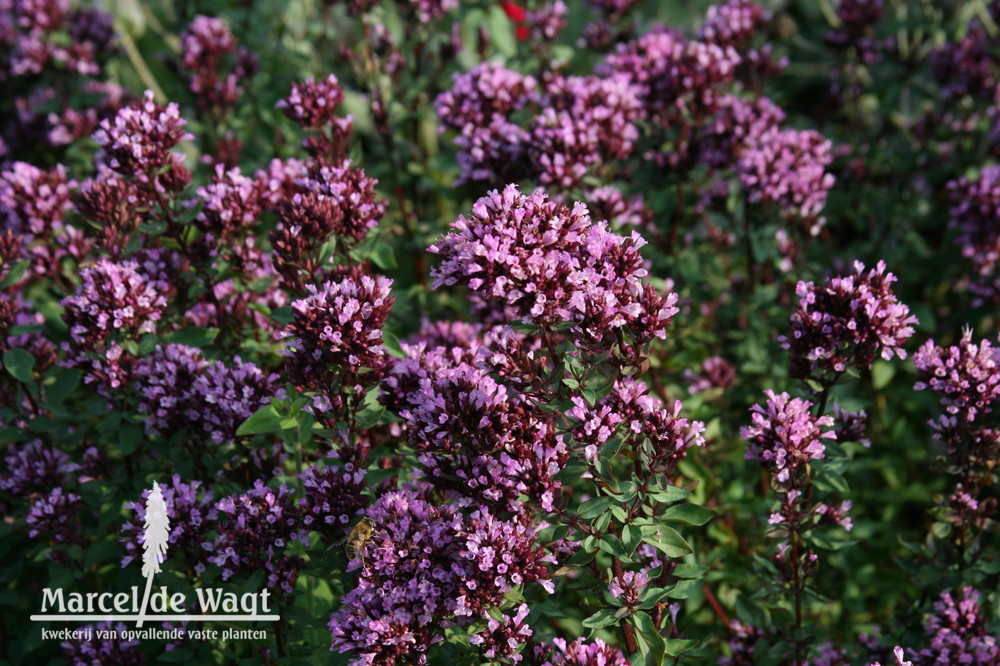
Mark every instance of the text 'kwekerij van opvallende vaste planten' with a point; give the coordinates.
(582, 332)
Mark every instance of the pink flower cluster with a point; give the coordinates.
(846, 322)
(551, 266)
(785, 435)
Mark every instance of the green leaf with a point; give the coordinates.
(601, 618)
(129, 438)
(670, 494)
(690, 571)
(15, 273)
(612, 545)
(675, 647)
(689, 514)
(193, 337)
(501, 31)
(19, 363)
(666, 539)
(264, 420)
(882, 374)
(390, 343)
(596, 506)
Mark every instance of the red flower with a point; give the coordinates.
(517, 15)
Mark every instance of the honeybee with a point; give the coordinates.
(358, 538)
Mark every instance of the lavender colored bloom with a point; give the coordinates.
(332, 497)
(850, 426)
(33, 201)
(847, 322)
(254, 530)
(114, 298)
(736, 125)
(732, 23)
(228, 396)
(578, 653)
(351, 191)
(608, 203)
(117, 651)
(676, 76)
(55, 517)
(312, 104)
(493, 153)
(785, 435)
(230, 204)
(426, 565)
(460, 409)
(586, 120)
(973, 214)
(139, 138)
(192, 513)
(547, 21)
(478, 96)
(551, 265)
(279, 181)
(205, 44)
(336, 333)
(716, 372)
(35, 468)
(788, 168)
(503, 640)
(967, 66)
(958, 632)
(163, 382)
(628, 587)
(966, 376)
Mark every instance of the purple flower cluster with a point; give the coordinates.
(229, 395)
(966, 376)
(191, 511)
(35, 468)
(551, 266)
(178, 389)
(97, 650)
(41, 34)
(426, 565)
(788, 168)
(578, 653)
(55, 517)
(428, 11)
(973, 214)
(677, 77)
(312, 105)
(332, 496)
(502, 640)
(732, 23)
(335, 338)
(958, 632)
(138, 141)
(254, 530)
(846, 322)
(114, 301)
(785, 435)
(335, 203)
(660, 435)
(34, 201)
(716, 373)
(585, 120)
(229, 205)
(205, 46)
